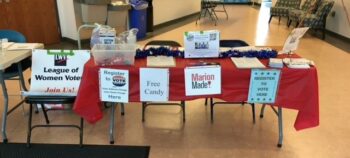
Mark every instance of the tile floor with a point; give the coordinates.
(232, 134)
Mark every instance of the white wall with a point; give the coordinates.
(339, 23)
(67, 18)
(167, 10)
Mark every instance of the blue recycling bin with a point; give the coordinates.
(138, 19)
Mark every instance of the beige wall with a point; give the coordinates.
(167, 10)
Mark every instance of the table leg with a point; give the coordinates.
(4, 115)
(280, 128)
(262, 110)
(111, 125)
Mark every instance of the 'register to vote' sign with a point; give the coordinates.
(57, 72)
(263, 86)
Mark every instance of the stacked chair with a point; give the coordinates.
(208, 8)
(308, 7)
(318, 19)
(282, 7)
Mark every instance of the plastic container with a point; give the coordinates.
(114, 54)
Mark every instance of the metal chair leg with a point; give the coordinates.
(279, 19)
(29, 130)
(253, 112)
(262, 110)
(223, 6)
(122, 109)
(45, 113)
(270, 19)
(36, 109)
(206, 102)
(111, 125)
(6, 102)
(183, 111)
(211, 110)
(143, 111)
(81, 132)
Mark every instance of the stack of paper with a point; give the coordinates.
(275, 63)
(297, 63)
(246, 63)
(6, 45)
(23, 46)
(250, 48)
(160, 61)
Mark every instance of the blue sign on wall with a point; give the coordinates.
(263, 86)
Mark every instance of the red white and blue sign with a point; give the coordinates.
(114, 85)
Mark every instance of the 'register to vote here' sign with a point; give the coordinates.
(263, 86)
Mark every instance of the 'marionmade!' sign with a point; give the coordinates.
(57, 72)
(263, 86)
(203, 80)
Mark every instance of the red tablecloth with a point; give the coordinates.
(298, 89)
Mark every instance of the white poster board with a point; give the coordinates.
(203, 80)
(293, 39)
(114, 85)
(263, 86)
(202, 44)
(154, 84)
(57, 72)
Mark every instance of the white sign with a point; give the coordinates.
(202, 44)
(293, 39)
(263, 86)
(57, 72)
(154, 84)
(114, 85)
(203, 80)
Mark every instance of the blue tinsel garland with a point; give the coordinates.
(261, 54)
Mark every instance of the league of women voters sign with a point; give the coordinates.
(57, 72)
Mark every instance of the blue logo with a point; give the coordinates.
(119, 81)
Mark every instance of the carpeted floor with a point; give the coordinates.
(19, 150)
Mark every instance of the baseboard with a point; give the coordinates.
(66, 39)
(339, 36)
(235, 3)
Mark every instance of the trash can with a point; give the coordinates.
(138, 17)
(118, 14)
(94, 11)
